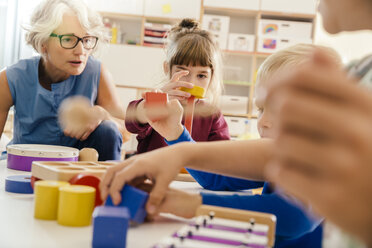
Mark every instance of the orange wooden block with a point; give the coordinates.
(156, 105)
(154, 99)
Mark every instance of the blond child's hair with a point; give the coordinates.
(291, 57)
(190, 45)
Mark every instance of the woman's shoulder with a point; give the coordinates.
(93, 63)
(24, 65)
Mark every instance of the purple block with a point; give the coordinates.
(135, 200)
(24, 163)
(110, 225)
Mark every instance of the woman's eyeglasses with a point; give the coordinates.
(70, 41)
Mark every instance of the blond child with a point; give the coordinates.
(295, 227)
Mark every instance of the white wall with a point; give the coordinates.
(350, 45)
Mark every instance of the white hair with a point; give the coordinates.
(48, 15)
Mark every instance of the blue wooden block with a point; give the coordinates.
(110, 225)
(135, 200)
(19, 184)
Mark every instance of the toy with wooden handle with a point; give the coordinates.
(242, 215)
(88, 154)
(196, 92)
(85, 154)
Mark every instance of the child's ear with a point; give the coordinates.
(166, 68)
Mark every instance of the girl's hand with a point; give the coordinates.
(170, 127)
(160, 166)
(78, 118)
(172, 88)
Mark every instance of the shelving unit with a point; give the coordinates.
(240, 67)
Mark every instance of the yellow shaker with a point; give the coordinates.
(196, 91)
(76, 204)
(46, 199)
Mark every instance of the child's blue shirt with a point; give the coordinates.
(295, 226)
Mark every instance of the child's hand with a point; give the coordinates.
(161, 166)
(180, 203)
(170, 127)
(172, 88)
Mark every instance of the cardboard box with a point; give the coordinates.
(219, 27)
(234, 104)
(236, 125)
(234, 4)
(290, 6)
(290, 29)
(241, 42)
(274, 44)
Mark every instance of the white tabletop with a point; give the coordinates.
(18, 227)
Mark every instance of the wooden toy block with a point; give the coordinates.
(156, 105)
(18, 184)
(64, 171)
(75, 205)
(46, 199)
(33, 181)
(110, 225)
(155, 99)
(88, 180)
(196, 91)
(135, 200)
(221, 227)
(88, 154)
(242, 215)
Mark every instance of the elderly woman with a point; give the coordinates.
(65, 33)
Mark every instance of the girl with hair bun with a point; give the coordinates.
(192, 59)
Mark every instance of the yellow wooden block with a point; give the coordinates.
(46, 199)
(196, 91)
(76, 204)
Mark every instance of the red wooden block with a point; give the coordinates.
(33, 180)
(155, 99)
(156, 105)
(88, 180)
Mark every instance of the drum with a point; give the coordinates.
(20, 156)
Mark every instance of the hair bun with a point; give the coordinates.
(188, 24)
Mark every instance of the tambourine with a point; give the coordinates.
(20, 156)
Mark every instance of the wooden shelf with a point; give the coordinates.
(132, 87)
(262, 55)
(230, 11)
(237, 83)
(289, 16)
(162, 19)
(139, 17)
(120, 15)
(236, 115)
(240, 53)
(229, 52)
